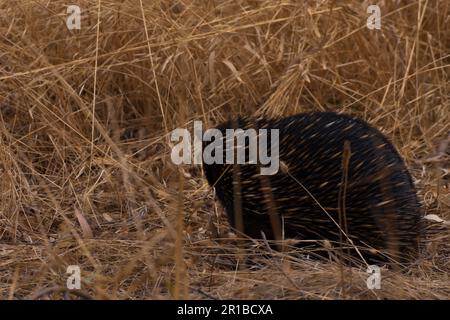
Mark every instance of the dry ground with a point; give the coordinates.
(85, 116)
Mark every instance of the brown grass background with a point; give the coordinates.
(85, 116)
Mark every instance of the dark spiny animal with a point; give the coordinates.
(375, 208)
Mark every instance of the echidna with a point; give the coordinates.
(340, 180)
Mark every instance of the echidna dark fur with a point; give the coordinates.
(382, 211)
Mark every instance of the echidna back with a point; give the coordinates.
(381, 208)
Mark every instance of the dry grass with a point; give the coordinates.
(86, 176)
